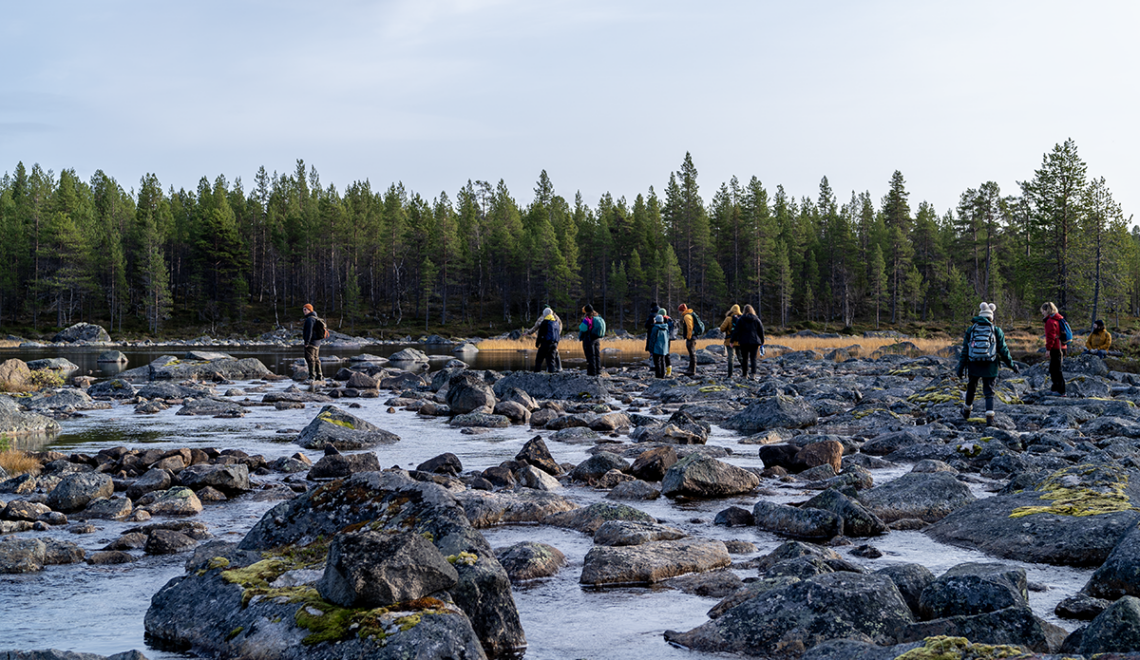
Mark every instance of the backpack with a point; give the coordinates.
(982, 343)
(698, 325)
(1065, 331)
(599, 329)
(320, 330)
(548, 331)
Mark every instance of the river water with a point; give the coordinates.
(101, 609)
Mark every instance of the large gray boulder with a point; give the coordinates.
(211, 406)
(230, 479)
(565, 385)
(1074, 517)
(590, 518)
(857, 520)
(468, 393)
(82, 332)
(333, 426)
(973, 588)
(774, 412)
(698, 475)
(1117, 629)
(76, 490)
(14, 421)
(529, 560)
(115, 388)
(14, 375)
(485, 509)
(59, 366)
(926, 496)
(652, 562)
(336, 466)
(796, 522)
(787, 620)
(1119, 575)
(21, 555)
(371, 569)
(223, 369)
(408, 355)
(1009, 626)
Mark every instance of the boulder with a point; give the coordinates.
(14, 421)
(1119, 575)
(81, 332)
(536, 453)
(168, 391)
(926, 496)
(76, 490)
(21, 555)
(530, 560)
(973, 588)
(1117, 629)
(446, 463)
(336, 466)
(485, 509)
(371, 569)
(857, 520)
(596, 466)
(532, 477)
(168, 542)
(773, 412)
(480, 420)
(652, 464)
(698, 475)
(826, 452)
(58, 552)
(230, 479)
(589, 519)
(224, 369)
(111, 357)
(652, 562)
(151, 480)
(1075, 516)
(469, 393)
(333, 426)
(796, 522)
(408, 355)
(564, 385)
(791, 618)
(635, 532)
(1010, 626)
(211, 406)
(633, 490)
(516, 412)
(15, 376)
(576, 435)
(108, 508)
(361, 381)
(177, 501)
(115, 388)
(911, 580)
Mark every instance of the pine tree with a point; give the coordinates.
(1054, 197)
(878, 276)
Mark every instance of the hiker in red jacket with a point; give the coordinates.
(1054, 343)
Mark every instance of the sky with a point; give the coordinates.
(606, 96)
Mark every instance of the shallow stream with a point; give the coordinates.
(101, 609)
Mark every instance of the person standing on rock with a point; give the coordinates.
(590, 330)
(727, 326)
(654, 311)
(983, 352)
(313, 331)
(659, 344)
(549, 331)
(1100, 341)
(689, 334)
(749, 336)
(1055, 326)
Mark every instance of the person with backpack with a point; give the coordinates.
(313, 331)
(749, 336)
(983, 352)
(590, 330)
(727, 326)
(1058, 334)
(555, 356)
(659, 344)
(547, 336)
(654, 311)
(691, 327)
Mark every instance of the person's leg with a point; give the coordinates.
(552, 358)
(541, 356)
(658, 366)
(310, 357)
(728, 352)
(1055, 372)
(691, 349)
(988, 392)
(971, 390)
(740, 359)
(317, 363)
(596, 347)
(668, 364)
(557, 359)
(752, 359)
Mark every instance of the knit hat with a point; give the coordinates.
(987, 310)
(307, 308)
(546, 311)
(659, 319)
(1099, 323)
(682, 308)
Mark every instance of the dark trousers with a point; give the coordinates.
(748, 359)
(691, 349)
(313, 361)
(659, 365)
(593, 357)
(1055, 371)
(546, 352)
(987, 391)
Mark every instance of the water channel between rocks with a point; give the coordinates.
(101, 609)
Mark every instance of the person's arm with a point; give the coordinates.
(760, 326)
(963, 355)
(1052, 333)
(307, 329)
(687, 319)
(1003, 350)
(726, 324)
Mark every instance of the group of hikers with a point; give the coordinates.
(743, 337)
(983, 352)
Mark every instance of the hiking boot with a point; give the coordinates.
(965, 412)
(668, 372)
(989, 418)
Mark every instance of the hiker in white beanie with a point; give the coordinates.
(983, 352)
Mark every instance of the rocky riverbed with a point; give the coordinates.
(631, 516)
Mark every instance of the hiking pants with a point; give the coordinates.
(987, 391)
(1055, 371)
(691, 349)
(748, 359)
(313, 361)
(659, 365)
(545, 354)
(593, 357)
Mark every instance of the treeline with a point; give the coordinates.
(90, 250)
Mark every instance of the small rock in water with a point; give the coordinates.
(867, 552)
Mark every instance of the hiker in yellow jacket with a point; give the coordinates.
(727, 326)
(1100, 341)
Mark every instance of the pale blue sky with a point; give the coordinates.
(605, 96)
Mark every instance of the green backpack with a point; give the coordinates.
(698, 325)
(599, 327)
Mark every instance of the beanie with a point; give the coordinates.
(659, 319)
(987, 310)
(546, 311)
(682, 308)
(307, 308)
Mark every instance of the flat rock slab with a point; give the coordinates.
(553, 386)
(333, 426)
(926, 496)
(652, 562)
(485, 509)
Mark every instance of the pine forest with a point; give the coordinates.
(230, 258)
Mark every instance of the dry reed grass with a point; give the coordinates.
(9, 343)
(866, 345)
(16, 462)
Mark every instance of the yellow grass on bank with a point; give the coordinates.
(16, 462)
(866, 345)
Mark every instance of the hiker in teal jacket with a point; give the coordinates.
(983, 352)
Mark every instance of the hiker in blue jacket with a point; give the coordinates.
(659, 344)
(983, 352)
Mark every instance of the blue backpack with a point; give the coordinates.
(1066, 331)
(549, 331)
